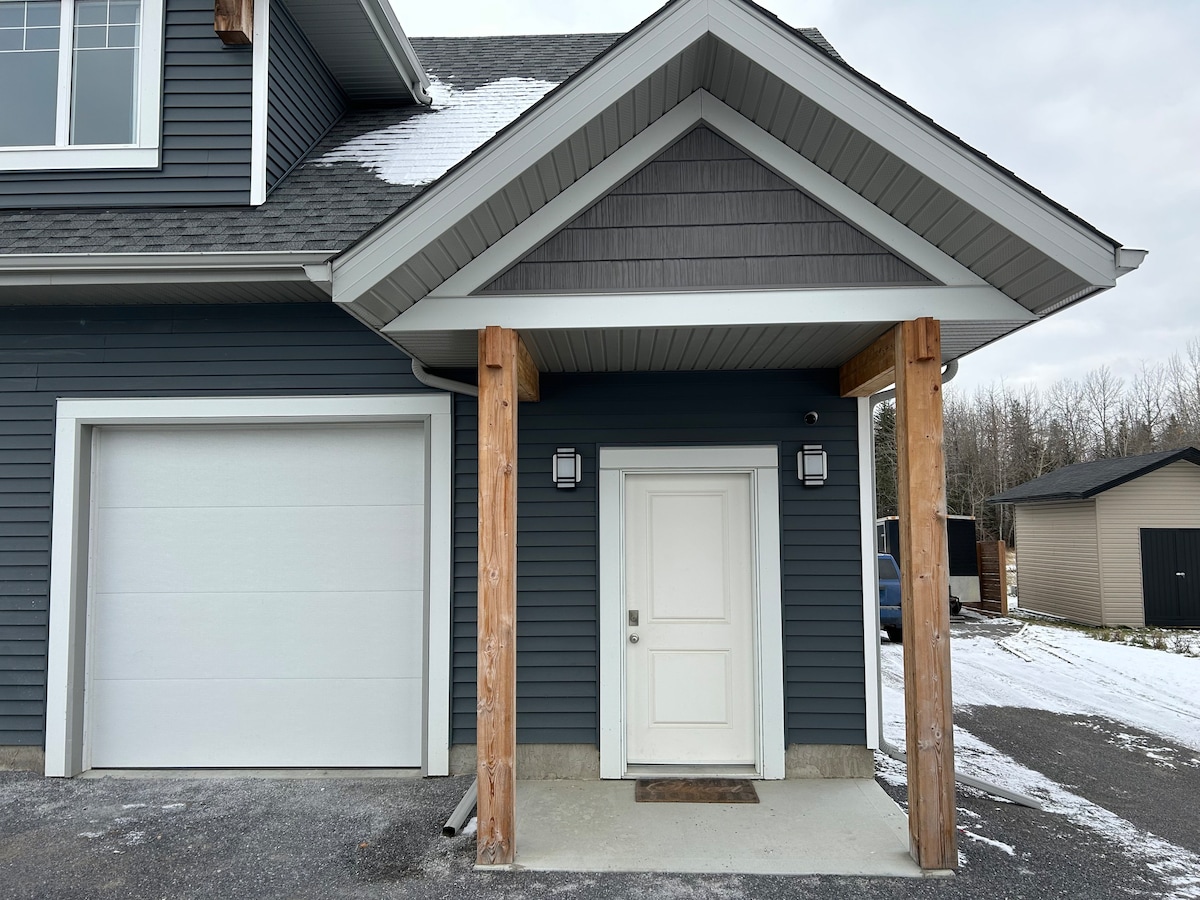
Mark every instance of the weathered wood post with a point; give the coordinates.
(506, 374)
(925, 586)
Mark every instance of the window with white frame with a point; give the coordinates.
(80, 83)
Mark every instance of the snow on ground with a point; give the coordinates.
(1065, 671)
(423, 147)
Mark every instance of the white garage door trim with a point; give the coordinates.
(71, 518)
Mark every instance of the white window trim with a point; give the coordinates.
(762, 463)
(75, 419)
(142, 155)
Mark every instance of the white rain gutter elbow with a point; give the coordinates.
(428, 379)
(1128, 259)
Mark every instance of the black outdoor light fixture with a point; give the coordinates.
(567, 468)
(812, 463)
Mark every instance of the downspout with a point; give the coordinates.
(466, 805)
(424, 376)
(895, 752)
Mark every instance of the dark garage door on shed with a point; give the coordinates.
(1171, 576)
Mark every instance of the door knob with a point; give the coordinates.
(633, 638)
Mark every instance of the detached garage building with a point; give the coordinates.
(1112, 542)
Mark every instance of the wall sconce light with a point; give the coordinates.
(567, 469)
(813, 464)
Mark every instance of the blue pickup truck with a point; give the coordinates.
(890, 619)
(889, 598)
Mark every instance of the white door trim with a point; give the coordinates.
(75, 420)
(762, 463)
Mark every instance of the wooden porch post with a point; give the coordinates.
(506, 374)
(925, 588)
(496, 682)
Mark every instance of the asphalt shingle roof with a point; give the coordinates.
(320, 205)
(1084, 480)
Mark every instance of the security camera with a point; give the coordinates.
(810, 418)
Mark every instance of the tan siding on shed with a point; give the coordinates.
(1058, 567)
(1166, 498)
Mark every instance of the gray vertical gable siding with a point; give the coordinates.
(557, 536)
(206, 131)
(705, 215)
(303, 99)
(133, 352)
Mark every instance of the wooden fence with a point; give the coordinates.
(993, 576)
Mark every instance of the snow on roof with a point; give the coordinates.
(420, 149)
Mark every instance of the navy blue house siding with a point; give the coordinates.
(205, 131)
(557, 569)
(303, 99)
(133, 352)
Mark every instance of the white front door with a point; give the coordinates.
(689, 612)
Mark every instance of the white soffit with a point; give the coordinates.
(365, 48)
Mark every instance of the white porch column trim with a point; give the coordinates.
(870, 569)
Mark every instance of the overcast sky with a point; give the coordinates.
(1094, 102)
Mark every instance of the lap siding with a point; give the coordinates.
(557, 537)
(182, 350)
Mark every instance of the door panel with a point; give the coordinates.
(690, 583)
(1171, 576)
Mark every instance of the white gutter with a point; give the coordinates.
(164, 268)
(895, 752)
(398, 48)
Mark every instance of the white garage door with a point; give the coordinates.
(257, 596)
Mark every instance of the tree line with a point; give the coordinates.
(999, 436)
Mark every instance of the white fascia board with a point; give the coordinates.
(258, 103)
(709, 309)
(892, 127)
(450, 200)
(703, 108)
(163, 268)
(397, 46)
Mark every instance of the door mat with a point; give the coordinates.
(695, 790)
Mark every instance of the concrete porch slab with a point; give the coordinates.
(800, 827)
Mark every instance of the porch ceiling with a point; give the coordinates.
(945, 195)
(689, 349)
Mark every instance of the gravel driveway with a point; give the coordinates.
(169, 838)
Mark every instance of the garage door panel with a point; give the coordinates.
(310, 635)
(196, 550)
(257, 596)
(262, 466)
(270, 723)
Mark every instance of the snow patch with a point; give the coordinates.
(471, 827)
(1065, 671)
(423, 147)
(92, 835)
(1000, 845)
